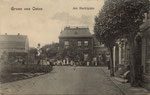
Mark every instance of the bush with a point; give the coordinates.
(14, 72)
(24, 68)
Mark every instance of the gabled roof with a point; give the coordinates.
(12, 41)
(75, 32)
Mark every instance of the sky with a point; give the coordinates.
(44, 26)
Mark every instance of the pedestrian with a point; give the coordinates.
(95, 61)
(108, 61)
(74, 65)
(88, 63)
(99, 57)
(39, 51)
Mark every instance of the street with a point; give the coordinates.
(65, 80)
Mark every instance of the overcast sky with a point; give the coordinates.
(45, 26)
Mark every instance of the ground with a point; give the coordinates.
(65, 80)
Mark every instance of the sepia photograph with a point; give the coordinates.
(74, 47)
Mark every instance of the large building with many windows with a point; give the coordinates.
(79, 39)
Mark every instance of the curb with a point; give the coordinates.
(122, 91)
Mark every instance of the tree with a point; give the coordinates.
(33, 51)
(73, 52)
(50, 50)
(121, 19)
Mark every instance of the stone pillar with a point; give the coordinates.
(120, 54)
(114, 57)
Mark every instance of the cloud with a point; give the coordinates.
(86, 19)
(65, 17)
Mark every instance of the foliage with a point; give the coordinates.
(73, 52)
(50, 50)
(119, 18)
(8, 71)
(32, 50)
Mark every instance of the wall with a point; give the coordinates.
(88, 49)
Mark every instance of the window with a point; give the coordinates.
(86, 43)
(66, 44)
(79, 43)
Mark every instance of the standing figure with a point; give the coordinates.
(108, 61)
(74, 65)
(99, 57)
(39, 54)
(95, 61)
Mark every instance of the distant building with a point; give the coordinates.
(14, 43)
(79, 38)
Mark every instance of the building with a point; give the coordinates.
(79, 39)
(145, 28)
(121, 54)
(14, 43)
(99, 51)
(142, 51)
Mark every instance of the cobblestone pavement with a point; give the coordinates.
(65, 80)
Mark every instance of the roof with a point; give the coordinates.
(75, 32)
(12, 41)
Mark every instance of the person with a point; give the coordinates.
(95, 61)
(47, 61)
(64, 62)
(99, 58)
(86, 57)
(108, 61)
(39, 54)
(88, 63)
(74, 66)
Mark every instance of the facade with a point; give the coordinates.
(121, 54)
(145, 28)
(14, 43)
(79, 39)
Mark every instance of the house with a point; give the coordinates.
(141, 69)
(79, 39)
(14, 44)
(145, 28)
(121, 54)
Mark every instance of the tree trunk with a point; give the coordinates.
(132, 61)
(111, 62)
